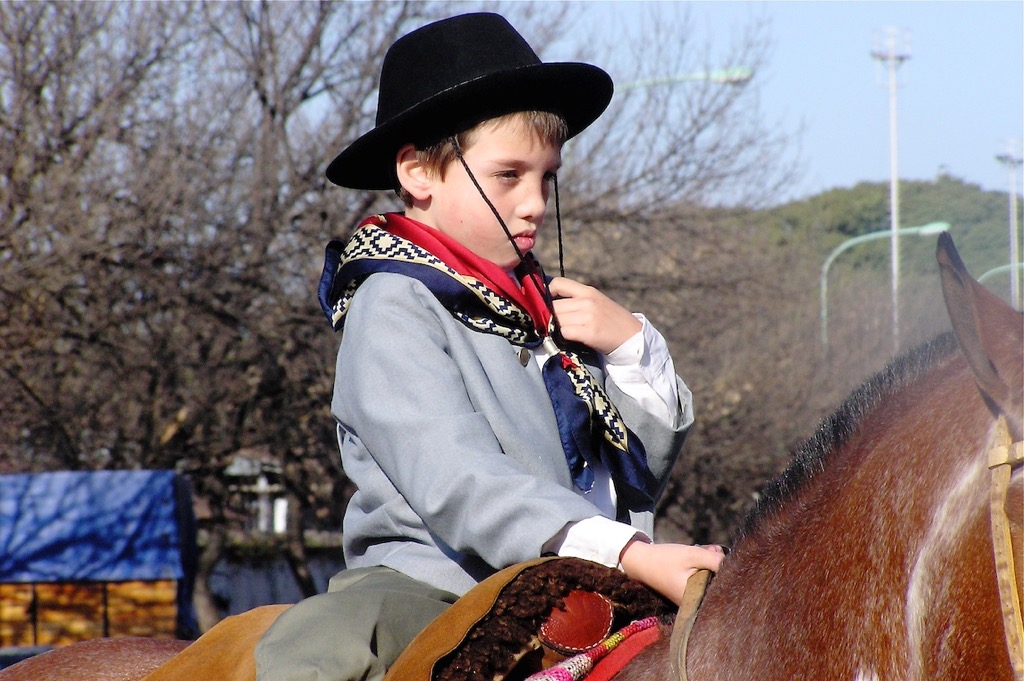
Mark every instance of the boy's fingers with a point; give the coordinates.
(563, 286)
(717, 548)
(708, 558)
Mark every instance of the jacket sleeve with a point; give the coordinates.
(657, 405)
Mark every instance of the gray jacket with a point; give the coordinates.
(453, 444)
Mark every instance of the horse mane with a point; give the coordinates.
(834, 431)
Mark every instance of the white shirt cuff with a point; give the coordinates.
(597, 539)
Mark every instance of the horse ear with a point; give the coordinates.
(990, 332)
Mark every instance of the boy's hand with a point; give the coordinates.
(585, 315)
(666, 567)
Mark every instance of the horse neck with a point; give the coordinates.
(875, 518)
(901, 455)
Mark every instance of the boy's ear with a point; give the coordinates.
(412, 174)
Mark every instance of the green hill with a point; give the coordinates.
(979, 222)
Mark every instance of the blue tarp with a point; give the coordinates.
(99, 526)
(103, 526)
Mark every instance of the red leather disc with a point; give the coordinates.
(583, 622)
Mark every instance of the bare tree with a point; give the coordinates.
(685, 126)
(163, 211)
(71, 103)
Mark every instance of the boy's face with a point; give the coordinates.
(516, 171)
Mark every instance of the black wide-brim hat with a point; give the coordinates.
(446, 77)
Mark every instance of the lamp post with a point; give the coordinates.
(1002, 269)
(924, 230)
(1013, 160)
(893, 48)
(733, 75)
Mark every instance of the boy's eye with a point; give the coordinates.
(513, 175)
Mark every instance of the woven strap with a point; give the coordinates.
(579, 666)
(1003, 458)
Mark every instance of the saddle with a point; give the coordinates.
(530, 617)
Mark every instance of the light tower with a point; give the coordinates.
(1012, 160)
(892, 47)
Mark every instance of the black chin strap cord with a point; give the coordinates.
(532, 262)
(558, 226)
(497, 216)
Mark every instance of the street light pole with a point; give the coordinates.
(1013, 160)
(893, 48)
(930, 229)
(1002, 269)
(733, 75)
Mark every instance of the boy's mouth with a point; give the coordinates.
(526, 241)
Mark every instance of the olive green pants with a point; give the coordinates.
(354, 632)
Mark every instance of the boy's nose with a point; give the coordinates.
(534, 204)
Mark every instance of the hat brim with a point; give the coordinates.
(577, 92)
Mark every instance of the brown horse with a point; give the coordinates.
(870, 558)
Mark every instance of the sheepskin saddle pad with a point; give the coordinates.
(528, 618)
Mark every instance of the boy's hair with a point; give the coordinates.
(548, 128)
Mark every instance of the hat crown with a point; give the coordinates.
(445, 55)
(448, 76)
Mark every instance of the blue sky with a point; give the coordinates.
(961, 99)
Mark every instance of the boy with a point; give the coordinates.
(486, 415)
